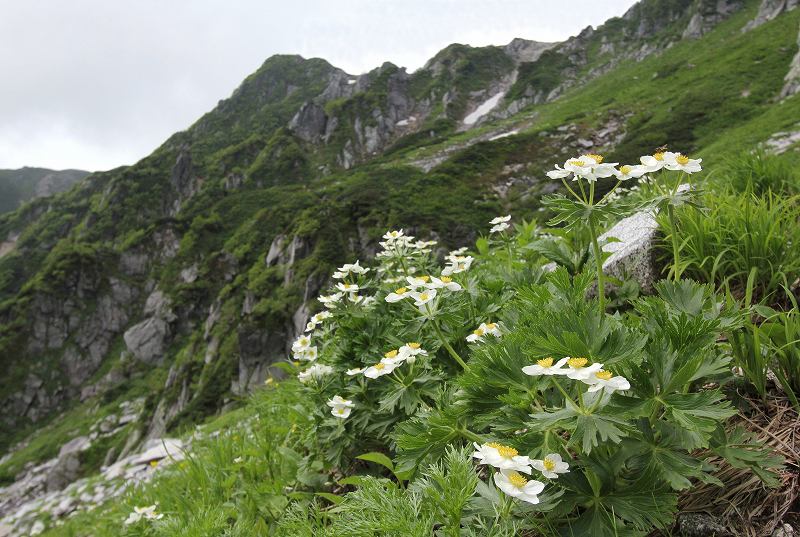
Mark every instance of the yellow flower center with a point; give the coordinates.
(379, 366)
(153, 463)
(603, 375)
(413, 345)
(597, 158)
(577, 363)
(478, 332)
(391, 354)
(424, 297)
(548, 464)
(401, 290)
(659, 155)
(424, 278)
(683, 160)
(516, 479)
(504, 451)
(446, 279)
(625, 170)
(340, 410)
(576, 162)
(491, 326)
(546, 362)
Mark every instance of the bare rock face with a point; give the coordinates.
(708, 14)
(632, 256)
(309, 122)
(768, 10)
(792, 79)
(147, 340)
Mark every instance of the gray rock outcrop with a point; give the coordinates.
(768, 10)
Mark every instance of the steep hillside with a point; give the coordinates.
(18, 186)
(179, 281)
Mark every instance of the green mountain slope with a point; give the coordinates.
(181, 280)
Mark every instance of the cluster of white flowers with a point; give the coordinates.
(591, 167)
(485, 329)
(397, 245)
(579, 369)
(457, 262)
(317, 319)
(511, 465)
(500, 224)
(340, 407)
(423, 290)
(303, 350)
(146, 513)
(391, 360)
(315, 372)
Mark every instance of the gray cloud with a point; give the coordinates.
(95, 84)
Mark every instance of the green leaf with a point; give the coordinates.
(378, 458)
(354, 480)
(333, 498)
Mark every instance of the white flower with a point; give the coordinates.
(353, 268)
(347, 287)
(392, 235)
(148, 513)
(545, 367)
(308, 354)
(551, 465)
(445, 282)
(339, 275)
(679, 162)
(653, 163)
(482, 330)
(418, 281)
(412, 349)
(501, 457)
(316, 372)
(629, 172)
(301, 344)
(364, 301)
(558, 173)
(422, 298)
(515, 485)
(457, 264)
(238, 460)
(578, 370)
(603, 380)
(379, 369)
(499, 228)
(500, 220)
(423, 245)
(355, 371)
(458, 252)
(393, 357)
(330, 300)
(399, 294)
(316, 320)
(340, 407)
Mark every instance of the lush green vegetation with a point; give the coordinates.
(477, 359)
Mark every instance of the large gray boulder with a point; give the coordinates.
(633, 251)
(147, 340)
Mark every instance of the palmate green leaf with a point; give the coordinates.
(698, 413)
(617, 508)
(573, 213)
(742, 450)
(427, 435)
(588, 430)
(495, 370)
(658, 461)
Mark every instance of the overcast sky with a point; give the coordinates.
(95, 84)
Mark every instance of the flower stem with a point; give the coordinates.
(469, 435)
(676, 254)
(601, 284)
(447, 346)
(563, 392)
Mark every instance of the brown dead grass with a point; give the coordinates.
(744, 504)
